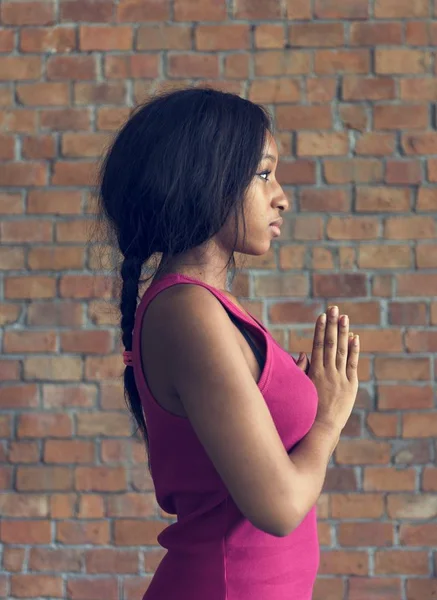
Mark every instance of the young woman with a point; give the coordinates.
(238, 434)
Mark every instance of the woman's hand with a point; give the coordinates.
(304, 363)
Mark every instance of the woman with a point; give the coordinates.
(238, 434)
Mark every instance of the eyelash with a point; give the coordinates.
(264, 173)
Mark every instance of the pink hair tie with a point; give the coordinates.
(127, 358)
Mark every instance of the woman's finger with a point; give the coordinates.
(331, 336)
(318, 342)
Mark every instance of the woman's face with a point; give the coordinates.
(265, 202)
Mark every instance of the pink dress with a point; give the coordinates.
(213, 551)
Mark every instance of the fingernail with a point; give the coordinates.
(301, 356)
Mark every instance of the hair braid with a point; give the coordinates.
(130, 273)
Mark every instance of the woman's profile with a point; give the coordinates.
(238, 434)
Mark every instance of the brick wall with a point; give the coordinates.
(352, 86)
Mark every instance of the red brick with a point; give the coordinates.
(59, 559)
(341, 61)
(432, 170)
(382, 425)
(324, 200)
(419, 425)
(366, 88)
(426, 256)
(401, 61)
(374, 34)
(401, 9)
(359, 452)
(331, 9)
(30, 287)
(410, 228)
(401, 562)
(29, 341)
(236, 66)
(109, 560)
(7, 40)
(133, 11)
(134, 532)
(320, 90)
(68, 451)
(27, 13)
(339, 285)
(198, 10)
(38, 147)
(248, 9)
(105, 38)
(352, 116)
(110, 119)
(222, 37)
(273, 91)
(269, 36)
(58, 396)
(23, 505)
(340, 479)
(131, 505)
(100, 479)
(11, 203)
(375, 144)
(383, 588)
(90, 424)
(91, 507)
(411, 506)
(83, 532)
(389, 480)
(340, 562)
(401, 117)
(365, 534)
(352, 228)
(193, 65)
(286, 62)
(44, 425)
(407, 313)
(406, 172)
(44, 478)
(328, 588)
(32, 586)
(81, 588)
(25, 532)
(401, 369)
(164, 37)
(382, 199)
(51, 202)
(376, 257)
(418, 589)
(71, 67)
(304, 117)
(18, 120)
(13, 559)
(406, 397)
(418, 89)
(357, 506)
(96, 11)
(60, 314)
(418, 535)
(420, 33)
(299, 10)
(47, 39)
(24, 452)
(314, 35)
(66, 173)
(429, 479)
(356, 170)
(420, 143)
(64, 119)
(322, 144)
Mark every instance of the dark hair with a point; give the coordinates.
(174, 172)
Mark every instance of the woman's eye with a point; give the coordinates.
(266, 173)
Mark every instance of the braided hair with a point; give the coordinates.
(176, 170)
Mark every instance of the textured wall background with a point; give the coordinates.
(352, 86)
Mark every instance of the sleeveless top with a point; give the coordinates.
(213, 551)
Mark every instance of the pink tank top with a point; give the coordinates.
(213, 551)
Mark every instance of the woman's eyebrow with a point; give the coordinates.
(270, 157)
